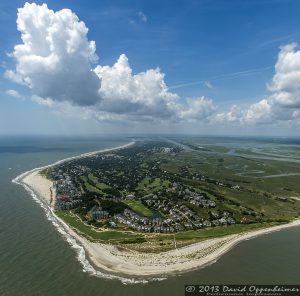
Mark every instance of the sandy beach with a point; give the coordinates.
(42, 186)
(132, 263)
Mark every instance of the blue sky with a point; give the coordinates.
(224, 51)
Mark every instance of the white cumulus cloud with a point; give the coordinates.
(233, 116)
(260, 112)
(13, 93)
(283, 104)
(56, 60)
(55, 57)
(144, 94)
(198, 109)
(286, 81)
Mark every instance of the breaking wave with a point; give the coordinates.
(80, 251)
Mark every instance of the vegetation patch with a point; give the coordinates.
(106, 235)
(138, 207)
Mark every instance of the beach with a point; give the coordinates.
(118, 261)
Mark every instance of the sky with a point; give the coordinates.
(207, 67)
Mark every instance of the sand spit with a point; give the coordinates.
(116, 262)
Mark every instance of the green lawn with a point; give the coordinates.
(96, 184)
(102, 185)
(84, 178)
(220, 231)
(153, 185)
(144, 183)
(92, 188)
(93, 178)
(128, 238)
(138, 207)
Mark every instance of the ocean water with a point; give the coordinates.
(37, 259)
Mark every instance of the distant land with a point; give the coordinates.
(162, 205)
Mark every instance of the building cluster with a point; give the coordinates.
(198, 199)
(180, 216)
(68, 172)
(122, 173)
(144, 224)
(64, 202)
(223, 218)
(178, 219)
(134, 221)
(67, 193)
(98, 213)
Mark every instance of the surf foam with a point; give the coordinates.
(80, 251)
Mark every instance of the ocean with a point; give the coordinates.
(36, 259)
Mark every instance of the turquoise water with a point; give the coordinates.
(35, 259)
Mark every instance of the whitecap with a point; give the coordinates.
(80, 251)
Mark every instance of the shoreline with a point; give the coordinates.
(132, 266)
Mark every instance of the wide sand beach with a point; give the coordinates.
(132, 263)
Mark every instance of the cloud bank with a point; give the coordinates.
(283, 104)
(58, 62)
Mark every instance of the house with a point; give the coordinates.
(62, 197)
(178, 227)
(226, 214)
(214, 214)
(230, 220)
(198, 225)
(130, 196)
(188, 225)
(223, 221)
(215, 223)
(112, 224)
(206, 223)
(97, 213)
(235, 187)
